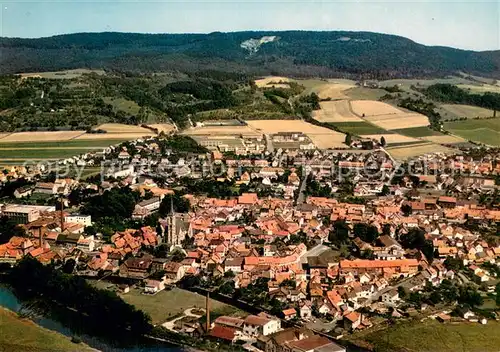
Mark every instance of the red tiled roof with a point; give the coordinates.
(223, 332)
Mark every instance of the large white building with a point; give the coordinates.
(85, 220)
(255, 325)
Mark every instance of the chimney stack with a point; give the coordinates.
(207, 307)
(62, 214)
(40, 237)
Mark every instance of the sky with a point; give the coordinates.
(473, 25)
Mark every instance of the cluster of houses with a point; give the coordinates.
(278, 236)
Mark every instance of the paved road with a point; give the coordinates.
(302, 188)
(269, 143)
(187, 313)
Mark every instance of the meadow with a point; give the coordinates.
(458, 111)
(359, 128)
(23, 335)
(485, 131)
(165, 305)
(431, 336)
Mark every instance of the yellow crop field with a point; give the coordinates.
(335, 111)
(122, 128)
(221, 131)
(118, 136)
(368, 108)
(276, 126)
(333, 89)
(391, 138)
(399, 121)
(41, 136)
(403, 153)
(331, 140)
(445, 139)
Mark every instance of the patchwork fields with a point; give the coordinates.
(335, 111)
(413, 150)
(55, 145)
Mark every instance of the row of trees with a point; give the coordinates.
(103, 310)
(448, 93)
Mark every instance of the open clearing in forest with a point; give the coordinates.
(273, 81)
(68, 74)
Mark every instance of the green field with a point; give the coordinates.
(21, 335)
(432, 336)
(485, 131)
(418, 132)
(51, 154)
(480, 88)
(361, 93)
(167, 304)
(359, 128)
(52, 150)
(450, 111)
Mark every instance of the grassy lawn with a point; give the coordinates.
(418, 132)
(433, 336)
(52, 150)
(27, 154)
(359, 128)
(482, 131)
(22, 335)
(167, 304)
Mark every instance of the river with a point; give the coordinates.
(9, 300)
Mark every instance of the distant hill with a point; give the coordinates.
(298, 53)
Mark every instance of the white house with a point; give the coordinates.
(390, 297)
(255, 325)
(85, 220)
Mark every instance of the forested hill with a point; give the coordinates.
(299, 53)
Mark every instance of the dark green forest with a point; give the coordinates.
(448, 93)
(297, 53)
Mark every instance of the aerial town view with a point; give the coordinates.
(184, 182)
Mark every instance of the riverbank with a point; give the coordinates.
(18, 334)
